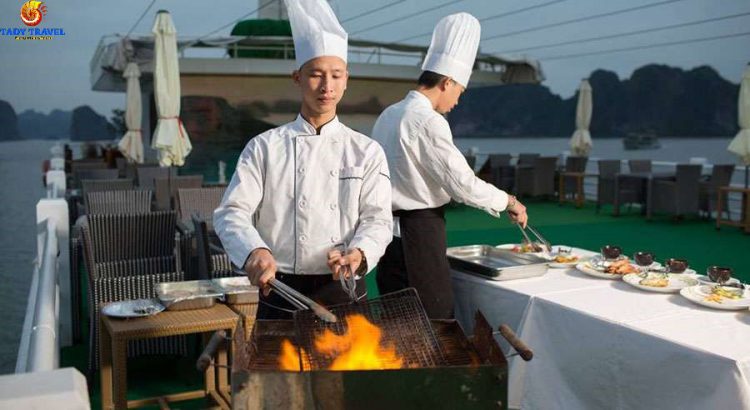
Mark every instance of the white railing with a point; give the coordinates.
(38, 381)
(39, 350)
(47, 325)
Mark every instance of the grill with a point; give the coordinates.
(399, 315)
(442, 367)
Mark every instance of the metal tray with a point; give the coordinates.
(494, 263)
(237, 290)
(193, 294)
(133, 308)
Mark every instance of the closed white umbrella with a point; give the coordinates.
(131, 144)
(740, 145)
(581, 143)
(170, 137)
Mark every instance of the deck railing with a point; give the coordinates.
(47, 325)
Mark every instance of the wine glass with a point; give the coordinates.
(644, 261)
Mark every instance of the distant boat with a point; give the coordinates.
(637, 140)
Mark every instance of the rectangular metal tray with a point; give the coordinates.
(192, 294)
(237, 290)
(496, 264)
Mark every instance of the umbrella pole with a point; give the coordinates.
(746, 174)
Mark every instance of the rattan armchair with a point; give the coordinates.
(678, 197)
(538, 180)
(721, 175)
(125, 255)
(165, 189)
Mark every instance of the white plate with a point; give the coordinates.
(676, 282)
(133, 308)
(586, 268)
(698, 295)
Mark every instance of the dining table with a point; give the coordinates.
(602, 343)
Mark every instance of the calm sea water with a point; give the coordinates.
(21, 188)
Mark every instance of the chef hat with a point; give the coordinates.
(316, 30)
(454, 47)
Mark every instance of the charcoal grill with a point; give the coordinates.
(443, 368)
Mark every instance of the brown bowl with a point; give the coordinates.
(676, 265)
(611, 251)
(719, 274)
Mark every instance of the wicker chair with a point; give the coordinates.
(90, 174)
(678, 197)
(575, 167)
(640, 165)
(100, 203)
(166, 189)
(501, 173)
(538, 180)
(721, 175)
(125, 255)
(605, 187)
(199, 201)
(124, 202)
(145, 175)
(526, 159)
(212, 260)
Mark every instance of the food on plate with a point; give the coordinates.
(655, 281)
(526, 248)
(718, 294)
(566, 258)
(621, 267)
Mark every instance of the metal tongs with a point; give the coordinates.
(539, 237)
(297, 299)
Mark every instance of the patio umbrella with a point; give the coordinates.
(740, 145)
(131, 144)
(170, 136)
(581, 143)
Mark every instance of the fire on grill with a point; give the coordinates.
(379, 354)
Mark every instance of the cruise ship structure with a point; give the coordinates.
(236, 86)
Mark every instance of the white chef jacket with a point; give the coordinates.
(427, 170)
(299, 194)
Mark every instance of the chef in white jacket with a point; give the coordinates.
(310, 197)
(427, 170)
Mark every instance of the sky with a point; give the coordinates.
(44, 75)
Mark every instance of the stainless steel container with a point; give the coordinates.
(494, 263)
(194, 294)
(237, 290)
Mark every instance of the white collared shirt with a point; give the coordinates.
(427, 170)
(299, 194)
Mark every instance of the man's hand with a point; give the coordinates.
(517, 212)
(337, 263)
(260, 268)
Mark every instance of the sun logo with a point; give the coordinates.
(31, 13)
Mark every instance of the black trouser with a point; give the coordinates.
(320, 288)
(418, 260)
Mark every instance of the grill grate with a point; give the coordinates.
(399, 315)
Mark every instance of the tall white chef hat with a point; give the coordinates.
(454, 46)
(316, 30)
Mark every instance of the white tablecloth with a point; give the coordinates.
(600, 344)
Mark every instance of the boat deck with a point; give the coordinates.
(694, 239)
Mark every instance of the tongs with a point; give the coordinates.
(297, 299)
(538, 236)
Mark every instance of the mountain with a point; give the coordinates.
(666, 100)
(8, 122)
(87, 125)
(37, 125)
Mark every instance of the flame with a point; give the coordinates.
(357, 349)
